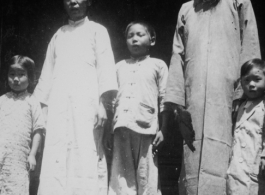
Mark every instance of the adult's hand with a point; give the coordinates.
(185, 124)
(101, 116)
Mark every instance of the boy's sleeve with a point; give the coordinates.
(175, 91)
(162, 82)
(106, 70)
(263, 149)
(36, 115)
(263, 136)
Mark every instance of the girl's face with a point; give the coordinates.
(76, 9)
(138, 40)
(253, 83)
(18, 78)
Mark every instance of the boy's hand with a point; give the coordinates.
(262, 166)
(32, 162)
(157, 143)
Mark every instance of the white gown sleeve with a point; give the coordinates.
(43, 87)
(105, 62)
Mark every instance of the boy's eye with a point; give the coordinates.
(140, 34)
(245, 80)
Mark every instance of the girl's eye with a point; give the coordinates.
(129, 36)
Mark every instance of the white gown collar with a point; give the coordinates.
(76, 23)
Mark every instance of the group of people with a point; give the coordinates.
(80, 89)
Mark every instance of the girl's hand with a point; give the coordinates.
(101, 116)
(262, 166)
(157, 142)
(32, 162)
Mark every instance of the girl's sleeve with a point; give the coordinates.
(162, 83)
(36, 115)
(43, 87)
(106, 70)
(175, 91)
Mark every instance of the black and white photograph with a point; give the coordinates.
(132, 97)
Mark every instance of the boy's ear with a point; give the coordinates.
(153, 41)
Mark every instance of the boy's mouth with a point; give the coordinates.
(252, 91)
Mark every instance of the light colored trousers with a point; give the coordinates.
(134, 169)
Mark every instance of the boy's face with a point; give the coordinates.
(253, 83)
(18, 78)
(76, 9)
(138, 40)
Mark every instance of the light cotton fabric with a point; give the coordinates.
(210, 45)
(142, 84)
(79, 67)
(142, 87)
(134, 167)
(244, 174)
(20, 116)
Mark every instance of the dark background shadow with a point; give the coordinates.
(28, 25)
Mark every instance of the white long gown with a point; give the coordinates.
(78, 68)
(210, 45)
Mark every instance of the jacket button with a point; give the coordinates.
(240, 159)
(243, 145)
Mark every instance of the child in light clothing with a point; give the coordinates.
(20, 119)
(246, 172)
(142, 81)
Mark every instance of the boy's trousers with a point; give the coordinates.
(134, 169)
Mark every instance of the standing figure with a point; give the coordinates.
(246, 172)
(212, 39)
(137, 137)
(20, 121)
(77, 79)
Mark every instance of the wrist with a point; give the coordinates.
(32, 155)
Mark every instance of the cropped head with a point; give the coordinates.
(76, 9)
(253, 78)
(21, 73)
(140, 36)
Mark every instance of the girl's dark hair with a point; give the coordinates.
(26, 63)
(247, 66)
(148, 27)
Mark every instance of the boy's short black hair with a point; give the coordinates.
(28, 64)
(247, 66)
(150, 29)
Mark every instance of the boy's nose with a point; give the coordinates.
(72, 2)
(252, 84)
